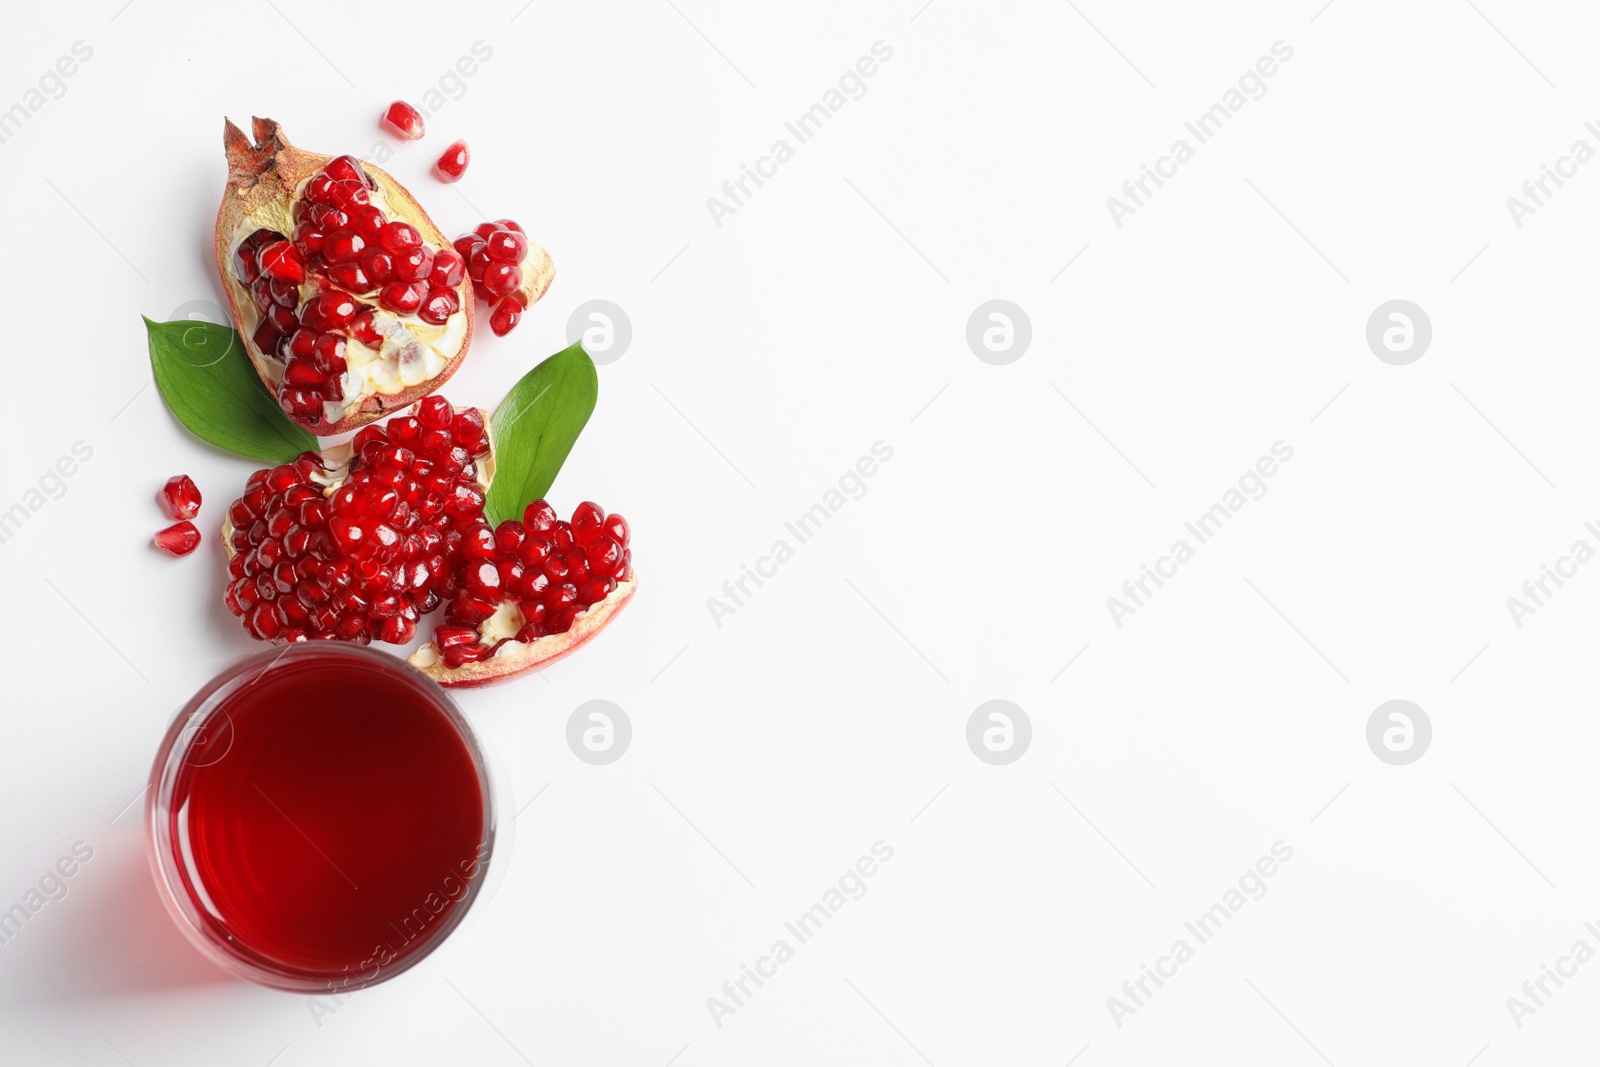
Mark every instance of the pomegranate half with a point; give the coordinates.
(359, 541)
(351, 302)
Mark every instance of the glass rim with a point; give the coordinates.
(189, 722)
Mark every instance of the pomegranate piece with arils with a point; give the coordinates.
(179, 539)
(453, 164)
(349, 315)
(508, 271)
(403, 120)
(530, 593)
(180, 497)
(356, 543)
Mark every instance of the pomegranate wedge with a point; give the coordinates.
(351, 302)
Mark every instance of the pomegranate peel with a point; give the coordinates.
(334, 329)
(514, 658)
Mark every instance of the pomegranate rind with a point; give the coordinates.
(516, 658)
(538, 271)
(263, 178)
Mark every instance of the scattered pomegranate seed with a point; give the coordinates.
(453, 164)
(180, 497)
(179, 539)
(403, 120)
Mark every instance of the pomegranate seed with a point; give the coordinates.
(308, 239)
(448, 269)
(403, 120)
(453, 164)
(281, 260)
(414, 264)
(616, 528)
(378, 266)
(179, 539)
(467, 244)
(351, 278)
(369, 222)
(507, 224)
(467, 429)
(266, 338)
(302, 375)
(302, 343)
(586, 520)
(282, 319)
(596, 589)
(328, 218)
(506, 246)
(348, 195)
(439, 306)
(342, 247)
(505, 316)
(502, 278)
(335, 308)
(402, 298)
(484, 581)
(435, 413)
(539, 516)
(364, 328)
(345, 168)
(329, 354)
(397, 237)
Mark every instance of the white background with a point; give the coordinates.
(830, 711)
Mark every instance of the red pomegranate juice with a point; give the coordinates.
(328, 817)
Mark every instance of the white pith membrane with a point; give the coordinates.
(516, 655)
(413, 351)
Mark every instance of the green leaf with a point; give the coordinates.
(534, 429)
(209, 383)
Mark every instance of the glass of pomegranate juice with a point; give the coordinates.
(319, 817)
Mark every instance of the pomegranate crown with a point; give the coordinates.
(247, 161)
